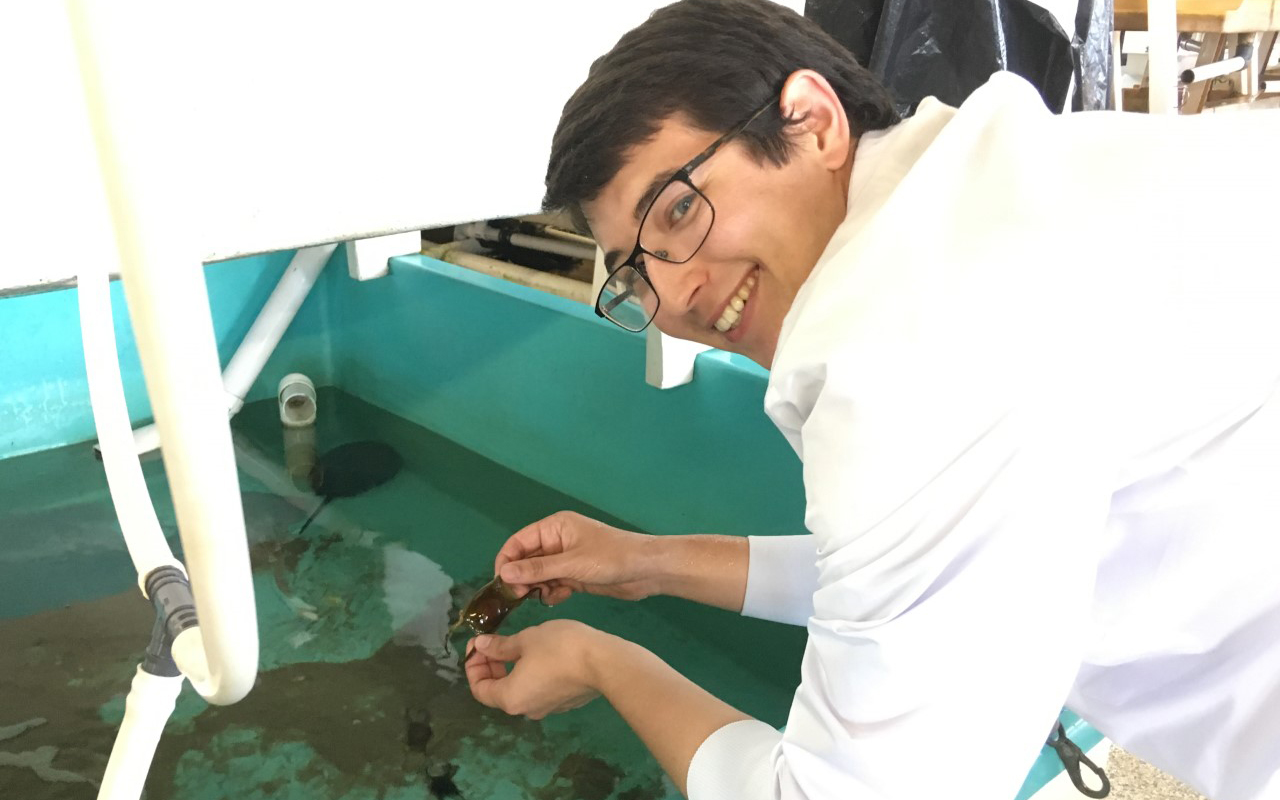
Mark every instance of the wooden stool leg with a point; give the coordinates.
(1117, 94)
(1211, 49)
(1267, 49)
(1246, 81)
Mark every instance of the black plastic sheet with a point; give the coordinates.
(948, 48)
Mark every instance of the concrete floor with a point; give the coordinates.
(1132, 779)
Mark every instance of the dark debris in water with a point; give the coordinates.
(328, 541)
(591, 778)
(417, 729)
(441, 783)
(282, 554)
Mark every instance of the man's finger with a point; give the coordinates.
(501, 648)
(557, 595)
(530, 540)
(479, 668)
(489, 691)
(538, 569)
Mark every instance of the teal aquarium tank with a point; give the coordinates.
(501, 405)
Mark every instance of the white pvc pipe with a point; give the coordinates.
(570, 249)
(266, 470)
(261, 467)
(170, 311)
(146, 439)
(151, 202)
(263, 336)
(480, 230)
(274, 319)
(146, 710)
(1162, 47)
(137, 516)
(1215, 70)
(568, 236)
(536, 279)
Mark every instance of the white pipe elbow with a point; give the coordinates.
(272, 322)
(221, 681)
(192, 661)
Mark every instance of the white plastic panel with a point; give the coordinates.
(298, 123)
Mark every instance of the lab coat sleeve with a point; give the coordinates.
(748, 750)
(782, 575)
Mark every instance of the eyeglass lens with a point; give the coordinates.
(677, 223)
(674, 228)
(627, 300)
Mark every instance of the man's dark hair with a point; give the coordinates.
(714, 62)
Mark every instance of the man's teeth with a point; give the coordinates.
(733, 312)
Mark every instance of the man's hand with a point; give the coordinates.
(550, 672)
(567, 552)
(561, 665)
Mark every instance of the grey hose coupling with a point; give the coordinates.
(170, 594)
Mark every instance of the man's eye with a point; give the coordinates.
(680, 208)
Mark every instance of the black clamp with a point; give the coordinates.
(1072, 758)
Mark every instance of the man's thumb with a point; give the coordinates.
(499, 648)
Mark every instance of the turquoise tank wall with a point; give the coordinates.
(541, 385)
(532, 381)
(44, 396)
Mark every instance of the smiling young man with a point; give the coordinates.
(725, 271)
(1041, 456)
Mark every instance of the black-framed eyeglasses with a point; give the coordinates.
(673, 229)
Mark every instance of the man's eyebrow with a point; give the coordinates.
(660, 180)
(642, 205)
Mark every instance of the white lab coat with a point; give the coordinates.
(1033, 382)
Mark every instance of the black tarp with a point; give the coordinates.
(948, 48)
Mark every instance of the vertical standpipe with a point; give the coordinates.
(296, 397)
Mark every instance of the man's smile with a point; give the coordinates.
(732, 313)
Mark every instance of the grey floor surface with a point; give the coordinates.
(1132, 779)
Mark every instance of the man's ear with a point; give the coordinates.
(821, 122)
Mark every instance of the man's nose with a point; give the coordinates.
(678, 285)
